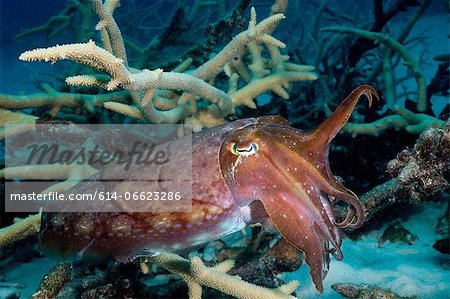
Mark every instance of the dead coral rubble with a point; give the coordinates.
(363, 291)
(263, 269)
(418, 173)
(54, 281)
(397, 233)
(423, 168)
(442, 228)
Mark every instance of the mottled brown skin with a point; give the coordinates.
(234, 166)
(125, 235)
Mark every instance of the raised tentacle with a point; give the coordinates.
(332, 125)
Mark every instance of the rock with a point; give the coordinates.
(9, 293)
(397, 233)
(263, 269)
(442, 245)
(364, 291)
(442, 227)
(425, 168)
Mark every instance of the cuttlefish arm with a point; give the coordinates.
(288, 172)
(320, 143)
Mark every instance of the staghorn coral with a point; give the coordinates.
(414, 123)
(196, 275)
(21, 229)
(410, 61)
(145, 85)
(371, 54)
(251, 72)
(9, 117)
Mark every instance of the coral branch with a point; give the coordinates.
(184, 82)
(273, 82)
(414, 123)
(100, 59)
(154, 115)
(52, 283)
(127, 110)
(8, 117)
(85, 53)
(111, 35)
(382, 17)
(418, 173)
(196, 275)
(21, 229)
(410, 61)
(255, 32)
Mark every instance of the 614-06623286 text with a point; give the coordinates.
(103, 196)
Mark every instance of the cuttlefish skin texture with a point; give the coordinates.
(248, 171)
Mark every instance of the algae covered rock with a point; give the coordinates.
(397, 233)
(364, 291)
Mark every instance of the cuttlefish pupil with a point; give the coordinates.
(251, 149)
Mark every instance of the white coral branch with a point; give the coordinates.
(21, 229)
(88, 54)
(255, 32)
(196, 275)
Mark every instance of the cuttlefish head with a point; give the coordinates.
(287, 171)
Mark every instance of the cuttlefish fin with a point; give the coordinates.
(272, 119)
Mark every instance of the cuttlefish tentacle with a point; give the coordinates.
(325, 184)
(319, 142)
(348, 219)
(332, 125)
(355, 212)
(328, 209)
(306, 233)
(313, 191)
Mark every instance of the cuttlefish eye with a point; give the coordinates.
(251, 149)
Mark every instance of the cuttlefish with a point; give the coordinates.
(256, 170)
